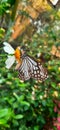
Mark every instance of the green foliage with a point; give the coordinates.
(5, 6)
(28, 105)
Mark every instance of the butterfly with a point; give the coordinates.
(30, 68)
(27, 66)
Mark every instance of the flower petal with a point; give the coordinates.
(10, 61)
(8, 48)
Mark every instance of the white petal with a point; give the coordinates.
(10, 61)
(8, 48)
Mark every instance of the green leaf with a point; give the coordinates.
(19, 116)
(53, 84)
(36, 127)
(43, 102)
(3, 112)
(25, 103)
(3, 122)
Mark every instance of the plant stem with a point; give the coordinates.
(14, 10)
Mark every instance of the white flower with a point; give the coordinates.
(10, 61)
(8, 48)
(15, 55)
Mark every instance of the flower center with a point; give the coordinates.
(17, 54)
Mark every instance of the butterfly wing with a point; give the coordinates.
(31, 69)
(37, 70)
(24, 70)
(39, 73)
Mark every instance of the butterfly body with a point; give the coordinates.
(30, 68)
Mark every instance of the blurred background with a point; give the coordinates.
(30, 105)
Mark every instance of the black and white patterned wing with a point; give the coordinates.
(38, 71)
(24, 71)
(31, 69)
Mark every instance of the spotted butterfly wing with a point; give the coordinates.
(31, 69)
